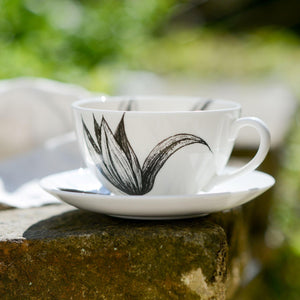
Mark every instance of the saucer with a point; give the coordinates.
(81, 189)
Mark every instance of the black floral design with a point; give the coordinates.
(202, 106)
(118, 163)
(128, 105)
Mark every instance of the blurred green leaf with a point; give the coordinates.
(88, 41)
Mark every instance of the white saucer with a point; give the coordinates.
(81, 189)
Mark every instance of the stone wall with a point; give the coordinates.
(62, 253)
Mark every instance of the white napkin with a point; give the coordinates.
(20, 176)
(27, 195)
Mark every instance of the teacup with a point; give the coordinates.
(162, 145)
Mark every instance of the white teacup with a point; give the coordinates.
(162, 145)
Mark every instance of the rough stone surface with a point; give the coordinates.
(57, 252)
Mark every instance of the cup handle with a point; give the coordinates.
(264, 146)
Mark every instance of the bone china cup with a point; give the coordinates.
(162, 145)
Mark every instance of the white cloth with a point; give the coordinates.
(20, 176)
(32, 111)
(30, 194)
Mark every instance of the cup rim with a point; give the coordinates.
(232, 105)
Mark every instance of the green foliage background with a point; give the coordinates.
(65, 39)
(88, 42)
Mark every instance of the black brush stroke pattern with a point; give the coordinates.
(128, 105)
(91, 192)
(161, 153)
(116, 160)
(202, 106)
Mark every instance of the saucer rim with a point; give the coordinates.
(43, 184)
(155, 207)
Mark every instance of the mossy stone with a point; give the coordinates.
(82, 255)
